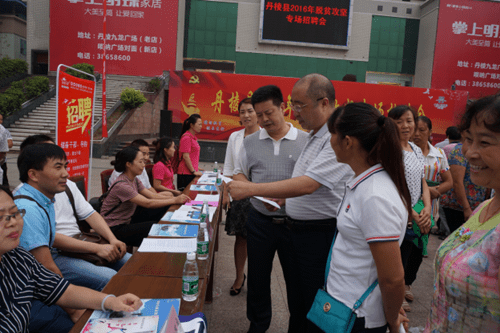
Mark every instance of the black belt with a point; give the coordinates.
(313, 225)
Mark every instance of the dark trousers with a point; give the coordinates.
(311, 249)
(411, 256)
(142, 214)
(5, 180)
(44, 318)
(132, 234)
(359, 327)
(183, 181)
(454, 218)
(263, 240)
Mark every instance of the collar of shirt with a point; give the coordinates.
(433, 151)
(364, 176)
(37, 195)
(322, 131)
(290, 135)
(193, 137)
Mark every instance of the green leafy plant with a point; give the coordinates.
(9, 67)
(21, 91)
(132, 98)
(154, 85)
(87, 68)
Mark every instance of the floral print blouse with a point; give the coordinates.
(466, 280)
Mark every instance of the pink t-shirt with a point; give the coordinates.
(189, 144)
(121, 192)
(165, 173)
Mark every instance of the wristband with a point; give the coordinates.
(104, 300)
(192, 172)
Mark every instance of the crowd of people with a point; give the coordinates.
(359, 193)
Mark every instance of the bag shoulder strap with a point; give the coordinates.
(328, 263)
(82, 225)
(109, 191)
(46, 213)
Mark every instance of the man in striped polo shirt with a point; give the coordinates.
(313, 193)
(269, 155)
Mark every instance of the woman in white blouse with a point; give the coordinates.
(237, 213)
(414, 246)
(436, 170)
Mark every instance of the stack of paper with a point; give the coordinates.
(172, 245)
(200, 203)
(208, 178)
(173, 230)
(151, 307)
(207, 197)
(144, 324)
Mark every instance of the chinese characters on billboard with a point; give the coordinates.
(468, 47)
(75, 98)
(320, 23)
(141, 35)
(215, 96)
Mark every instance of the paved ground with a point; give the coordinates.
(228, 313)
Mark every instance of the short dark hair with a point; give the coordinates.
(266, 93)
(349, 77)
(7, 190)
(453, 133)
(139, 143)
(127, 154)
(36, 157)
(247, 100)
(427, 121)
(487, 110)
(398, 111)
(34, 140)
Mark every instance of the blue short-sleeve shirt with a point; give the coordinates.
(37, 231)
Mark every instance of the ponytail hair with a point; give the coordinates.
(378, 136)
(186, 125)
(160, 146)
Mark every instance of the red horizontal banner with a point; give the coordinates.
(215, 96)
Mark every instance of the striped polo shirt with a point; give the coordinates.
(318, 161)
(22, 280)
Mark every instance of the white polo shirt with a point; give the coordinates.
(371, 211)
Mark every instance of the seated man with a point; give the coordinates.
(42, 169)
(78, 271)
(28, 280)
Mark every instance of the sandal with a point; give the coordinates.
(406, 306)
(408, 294)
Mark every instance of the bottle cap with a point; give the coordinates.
(203, 225)
(191, 256)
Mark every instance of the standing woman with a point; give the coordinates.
(190, 150)
(414, 246)
(436, 169)
(372, 218)
(163, 172)
(237, 214)
(467, 266)
(126, 193)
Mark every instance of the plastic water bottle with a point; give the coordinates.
(204, 217)
(216, 166)
(218, 180)
(190, 278)
(203, 242)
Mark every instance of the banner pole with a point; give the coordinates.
(104, 117)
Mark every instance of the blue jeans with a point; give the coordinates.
(82, 273)
(51, 319)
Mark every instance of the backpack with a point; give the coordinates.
(97, 202)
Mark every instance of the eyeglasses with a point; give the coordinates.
(298, 108)
(16, 215)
